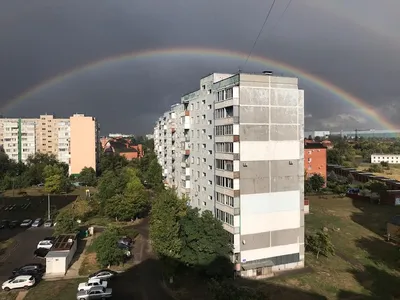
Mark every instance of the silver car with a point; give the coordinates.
(97, 292)
(48, 223)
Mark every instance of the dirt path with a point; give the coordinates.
(144, 280)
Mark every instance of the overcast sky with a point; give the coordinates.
(351, 44)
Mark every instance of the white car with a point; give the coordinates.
(23, 281)
(84, 286)
(45, 244)
(26, 223)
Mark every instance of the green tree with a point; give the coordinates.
(350, 178)
(112, 162)
(332, 177)
(136, 193)
(65, 222)
(165, 227)
(334, 157)
(110, 184)
(107, 251)
(376, 186)
(205, 244)
(319, 243)
(88, 176)
(317, 182)
(36, 164)
(153, 176)
(55, 179)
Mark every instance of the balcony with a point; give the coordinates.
(186, 152)
(184, 164)
(185, 177)
(187, 113)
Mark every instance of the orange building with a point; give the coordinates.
(315, 159)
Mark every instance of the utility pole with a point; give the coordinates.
(48, 207)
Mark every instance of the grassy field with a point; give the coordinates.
(392, 173)
(364, 265)
(49, 290)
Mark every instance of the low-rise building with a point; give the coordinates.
(389, 158)
(315, 159)
(60, 256)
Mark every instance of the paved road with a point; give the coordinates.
(21, 252)
(144, 280)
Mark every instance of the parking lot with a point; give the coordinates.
(25, 240)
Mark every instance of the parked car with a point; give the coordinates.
(97, 292)
(23, 281)
(26, 223)
(92, 283)
(45, 244)
(4, 224)
(48, 223)
(126, 240)
(29, 269)
(38, 222)
(14, 224)
(103, 274)
(41, 252)
(126, 249)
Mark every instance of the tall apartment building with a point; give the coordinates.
(24, 137)
(236, 147)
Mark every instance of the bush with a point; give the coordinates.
(319, 243)
(106, 247)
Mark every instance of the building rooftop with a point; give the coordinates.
(63, 253)
(64, 242)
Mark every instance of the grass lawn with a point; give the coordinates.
(364, 265)
(8, 295)
(393, 172)
(49, 290)
(89, 264)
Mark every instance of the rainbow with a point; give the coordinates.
(318, 82)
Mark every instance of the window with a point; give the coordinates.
(224, 216)
(209, 122)
(224, 147)
(226, 165)
(203, 87)
(209, 182)
(209, 106)
(198, 160)
(224, 130)
(204, 160)
(220, 96)
(209, 137)
(204, 174)
(224, 182)
(209, 152)
(209, 92)
(203, 102)
(203, 117)
(229, 93)
(204, 146)
(210, 167)
(225, 199)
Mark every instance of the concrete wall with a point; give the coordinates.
(271, 167)
(83, 143)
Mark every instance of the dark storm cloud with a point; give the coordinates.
(41, 39)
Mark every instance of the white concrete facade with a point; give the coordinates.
(240, 140)
(389, 158)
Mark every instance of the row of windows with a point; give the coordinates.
(224, 147)
(225, 199)
(224, 130)
(224, 217)
(222, 164)
(222, 113)
(224, 182)
(225, 95)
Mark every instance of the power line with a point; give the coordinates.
(282, 15)
(261, 30)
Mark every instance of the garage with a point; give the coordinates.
(60, 256)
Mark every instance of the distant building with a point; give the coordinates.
(73, 140)
(122, 147)
(389, 158)
(320, 133)
(120, 135)
(315, 159)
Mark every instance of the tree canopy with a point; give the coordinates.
(88, 177)
(106, 247)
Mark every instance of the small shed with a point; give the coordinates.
(60, 255)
